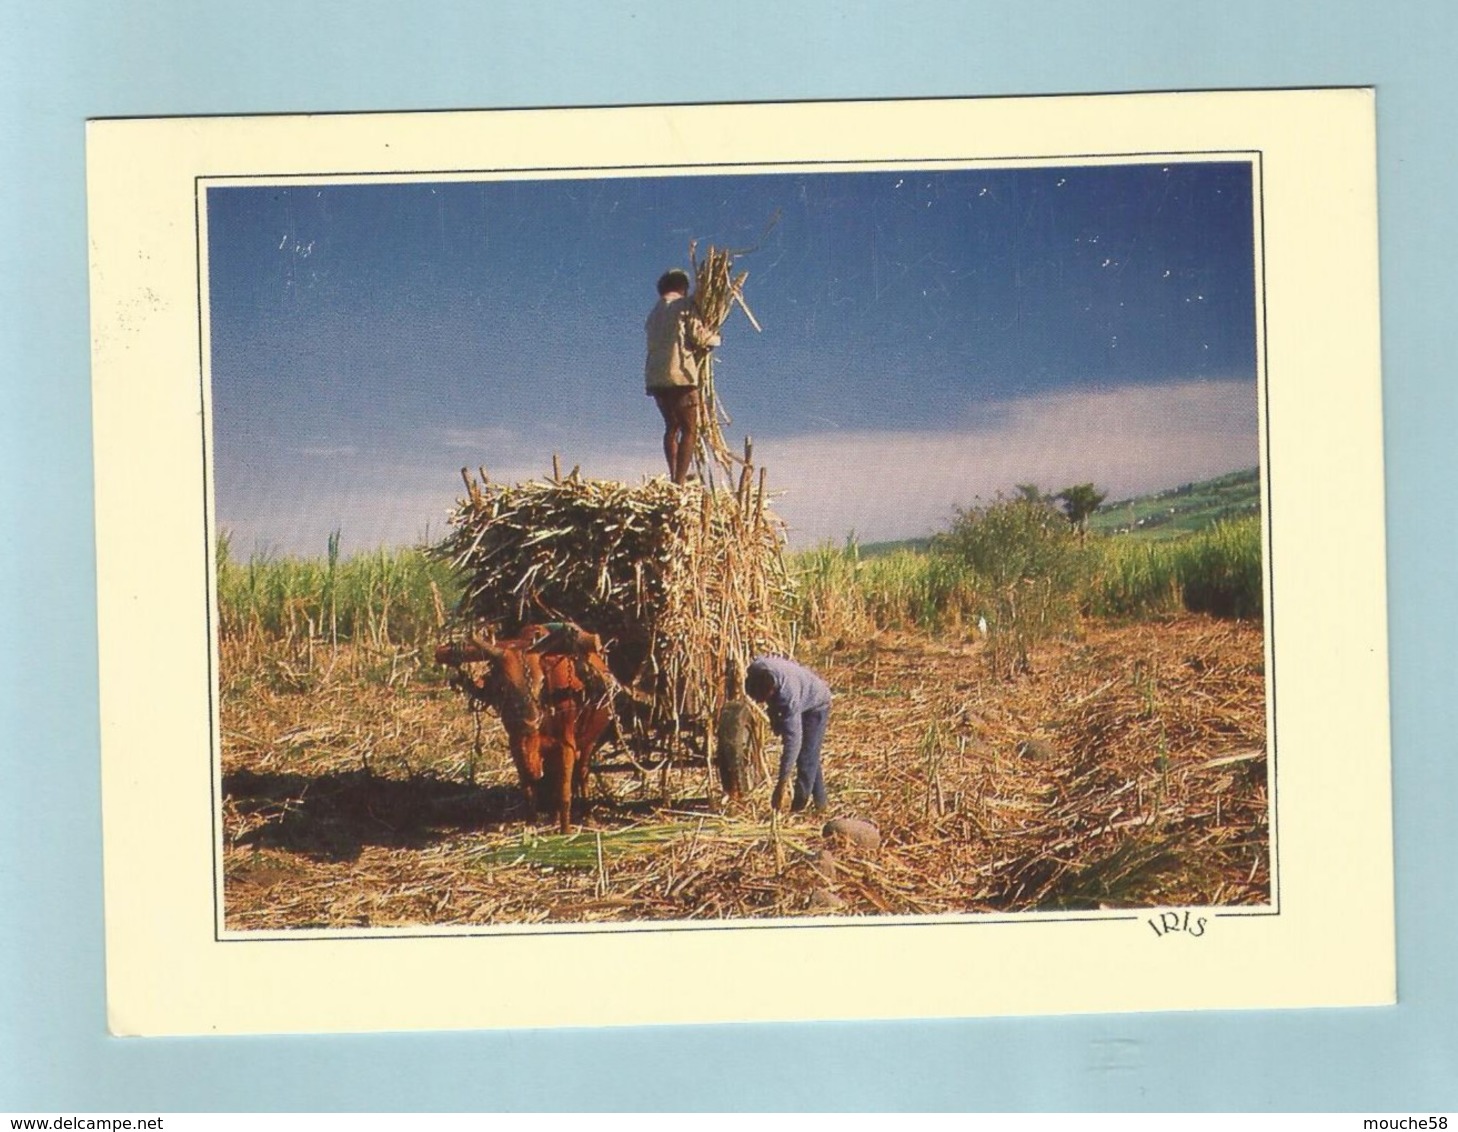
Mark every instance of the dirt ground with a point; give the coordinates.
(1127, 769)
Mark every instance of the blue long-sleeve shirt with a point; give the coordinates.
(795, 691)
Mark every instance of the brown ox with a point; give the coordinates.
(553, 692)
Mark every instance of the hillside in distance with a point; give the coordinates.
(1163, 514)
(1184, 509)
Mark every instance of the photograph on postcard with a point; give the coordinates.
(722, 545)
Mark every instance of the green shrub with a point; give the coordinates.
(1029, 568)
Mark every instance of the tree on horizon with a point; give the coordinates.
(1079, 502)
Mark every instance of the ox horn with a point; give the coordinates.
(476, 650)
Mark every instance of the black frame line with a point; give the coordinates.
(323, 935)
(201, 182)
(660, 168)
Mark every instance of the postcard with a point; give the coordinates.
(663, 564)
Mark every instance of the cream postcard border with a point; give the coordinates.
(1327, 941)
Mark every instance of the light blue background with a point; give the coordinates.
(66, 61)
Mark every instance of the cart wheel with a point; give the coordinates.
(734, 749)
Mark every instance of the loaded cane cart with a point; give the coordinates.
(681, 584)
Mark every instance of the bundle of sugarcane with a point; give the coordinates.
(683, 584)
(717, 291)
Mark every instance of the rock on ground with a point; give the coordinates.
(853, 831)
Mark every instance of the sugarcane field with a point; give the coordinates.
(1126, 769)
(552, 715)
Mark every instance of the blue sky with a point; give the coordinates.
(930, 336)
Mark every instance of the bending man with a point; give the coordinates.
(798, 702)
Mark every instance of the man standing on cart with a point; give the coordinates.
(678, 341)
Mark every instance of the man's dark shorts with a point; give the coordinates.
(675, 402)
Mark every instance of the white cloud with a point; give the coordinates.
(882, 485)
(385, 499)
(900, 484)
(481, 439)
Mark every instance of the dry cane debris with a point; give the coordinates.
(355, 808)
